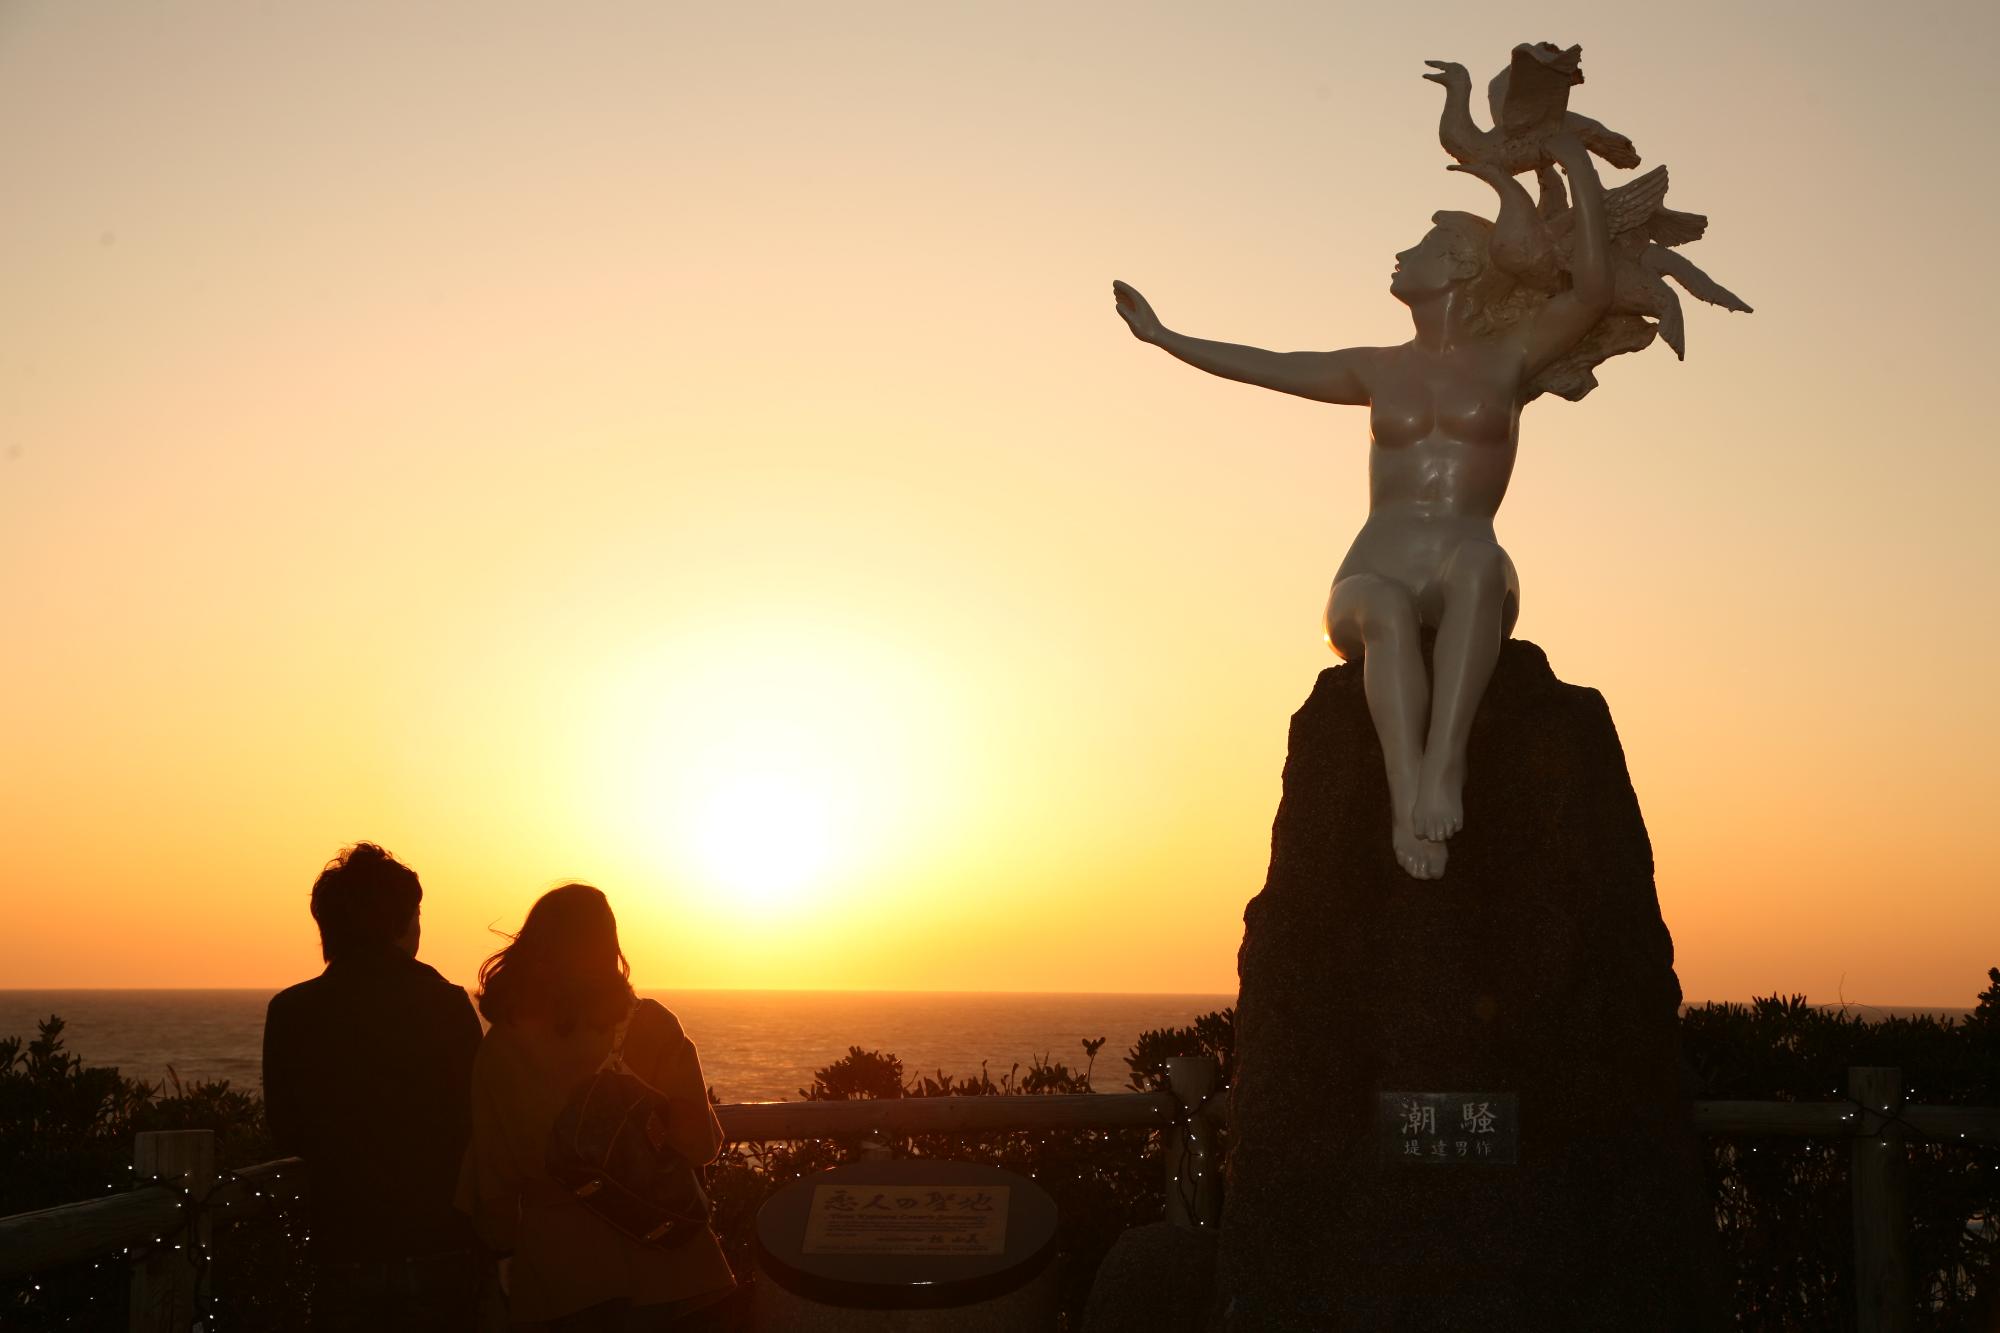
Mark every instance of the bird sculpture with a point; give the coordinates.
(1529, 102)
(1534, 248)
(1643, 232)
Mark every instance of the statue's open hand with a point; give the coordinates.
(1452, 76)
(1139, 316)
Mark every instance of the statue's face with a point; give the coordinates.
(1425, 269)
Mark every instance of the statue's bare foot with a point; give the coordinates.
(1422, 859)
(1440, 807)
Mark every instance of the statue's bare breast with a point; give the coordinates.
(1444, 433)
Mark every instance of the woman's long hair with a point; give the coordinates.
(565, 967)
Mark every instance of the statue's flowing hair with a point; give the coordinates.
(1497, 301)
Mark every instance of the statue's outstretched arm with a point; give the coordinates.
(1570, 315)
(1327, 377)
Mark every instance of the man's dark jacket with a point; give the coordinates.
(368, 1076)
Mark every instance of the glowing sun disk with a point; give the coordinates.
(763, 834)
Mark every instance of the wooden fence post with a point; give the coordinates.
(1885, 1301)
(169, 1278)
(1194, 1193)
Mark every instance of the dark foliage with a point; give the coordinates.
(66, 1134)
(1783, 1203)
(1212, 1035)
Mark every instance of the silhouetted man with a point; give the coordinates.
(368, 1077)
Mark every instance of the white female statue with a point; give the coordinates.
(1504, 311)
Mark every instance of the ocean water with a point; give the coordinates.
(755, 1045)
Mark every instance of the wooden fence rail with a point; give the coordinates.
(181, 1194)
(771, 1122)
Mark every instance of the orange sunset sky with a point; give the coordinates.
(691, 448)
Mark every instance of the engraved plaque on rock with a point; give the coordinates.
(868, 1218)
(1449, 1128)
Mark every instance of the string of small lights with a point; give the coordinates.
(1885, 1117)
(180, 1235)
(1195, 1155)
(267, 1191)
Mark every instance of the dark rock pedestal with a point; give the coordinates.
(1157, 1278)
(1538, 966)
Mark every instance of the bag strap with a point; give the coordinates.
(616, 1060)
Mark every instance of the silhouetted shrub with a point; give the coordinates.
(1784, 1203)
(1212, 1035)
(66, 1134)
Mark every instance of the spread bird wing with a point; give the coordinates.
(1634, 203)
(1667, 314)
(1539, 77)
(1672, 227)
(1697, 283)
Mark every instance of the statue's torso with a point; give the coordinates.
(1444, 431)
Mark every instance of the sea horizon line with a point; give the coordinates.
(1892, 1009)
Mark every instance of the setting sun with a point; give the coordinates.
(773, 771)
(764, 834)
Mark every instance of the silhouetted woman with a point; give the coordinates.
(555, 997)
